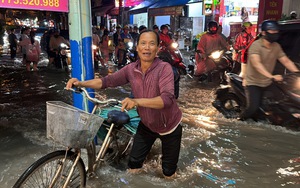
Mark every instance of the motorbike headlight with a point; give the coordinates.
(130, 44)
(94, 47)
(174, 45)
(63, 52)
(63, 45)
(216, 54)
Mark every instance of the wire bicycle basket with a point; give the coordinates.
(70, 126)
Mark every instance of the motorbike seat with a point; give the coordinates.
(236, 80)
(117, 117)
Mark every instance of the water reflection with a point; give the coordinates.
(216, 152)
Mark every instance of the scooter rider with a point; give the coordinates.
(165, 39)
(262, 57)
(54, 44)
(241, 42)
(209, 42)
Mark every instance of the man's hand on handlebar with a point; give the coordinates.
(73, 82)
(277, 78)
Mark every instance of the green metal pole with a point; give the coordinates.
(81, 46)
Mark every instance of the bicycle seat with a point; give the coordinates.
(117, 117)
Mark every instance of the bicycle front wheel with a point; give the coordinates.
(44, 171)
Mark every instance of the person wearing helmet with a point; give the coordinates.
(165, 39)
(241, 41)
(142, 28)
(262, 57)
(155, 28)
(123, 45)
(209, 42)
(293, 15)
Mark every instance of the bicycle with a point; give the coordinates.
(77, 129)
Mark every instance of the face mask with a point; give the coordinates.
(272, 37)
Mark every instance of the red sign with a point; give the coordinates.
(130, 3)
(50, 5)
(269, 10)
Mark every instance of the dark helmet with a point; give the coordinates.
(269, 25)
(142, 27)
(162, 27)
(155, 27)
(212, 24)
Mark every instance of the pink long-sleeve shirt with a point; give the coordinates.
(157, 81)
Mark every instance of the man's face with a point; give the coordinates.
(147, 46)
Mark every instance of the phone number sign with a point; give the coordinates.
(49, 5)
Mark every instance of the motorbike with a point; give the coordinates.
(130, 55)
(63, 57)
(97, 57)
(279, 108)
(215, 65)
(172, 55)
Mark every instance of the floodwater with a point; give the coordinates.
(216, 152)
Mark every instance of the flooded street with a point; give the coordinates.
(216, 152)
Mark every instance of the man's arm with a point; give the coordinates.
(288, 64)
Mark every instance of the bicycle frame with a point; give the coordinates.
(68, 166)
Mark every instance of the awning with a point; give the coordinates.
(167, 7)
(102, 10)
(142, 7)
(169, 3)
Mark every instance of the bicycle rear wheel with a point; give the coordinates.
(42, 172)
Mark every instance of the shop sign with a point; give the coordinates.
(49, 5)
(270, 10)
(177, 11)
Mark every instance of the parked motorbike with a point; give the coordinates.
(63, 57)
(173, 55)
(279, 108)
(216, 63)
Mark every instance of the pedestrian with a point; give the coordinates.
(33, 51)
(104, 47)
(24, 41)
(244, 15)
(152, 84)
(13, 43)
(262, 57)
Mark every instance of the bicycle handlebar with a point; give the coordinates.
(94, 100)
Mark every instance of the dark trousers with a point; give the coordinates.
(143, 142)
(254, 96)
(13, 51)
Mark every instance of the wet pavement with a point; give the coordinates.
(214, 149)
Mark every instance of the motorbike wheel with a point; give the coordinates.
(229, 105)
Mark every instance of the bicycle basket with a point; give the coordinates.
(71, 126)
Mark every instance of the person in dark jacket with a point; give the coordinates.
(13, 43)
